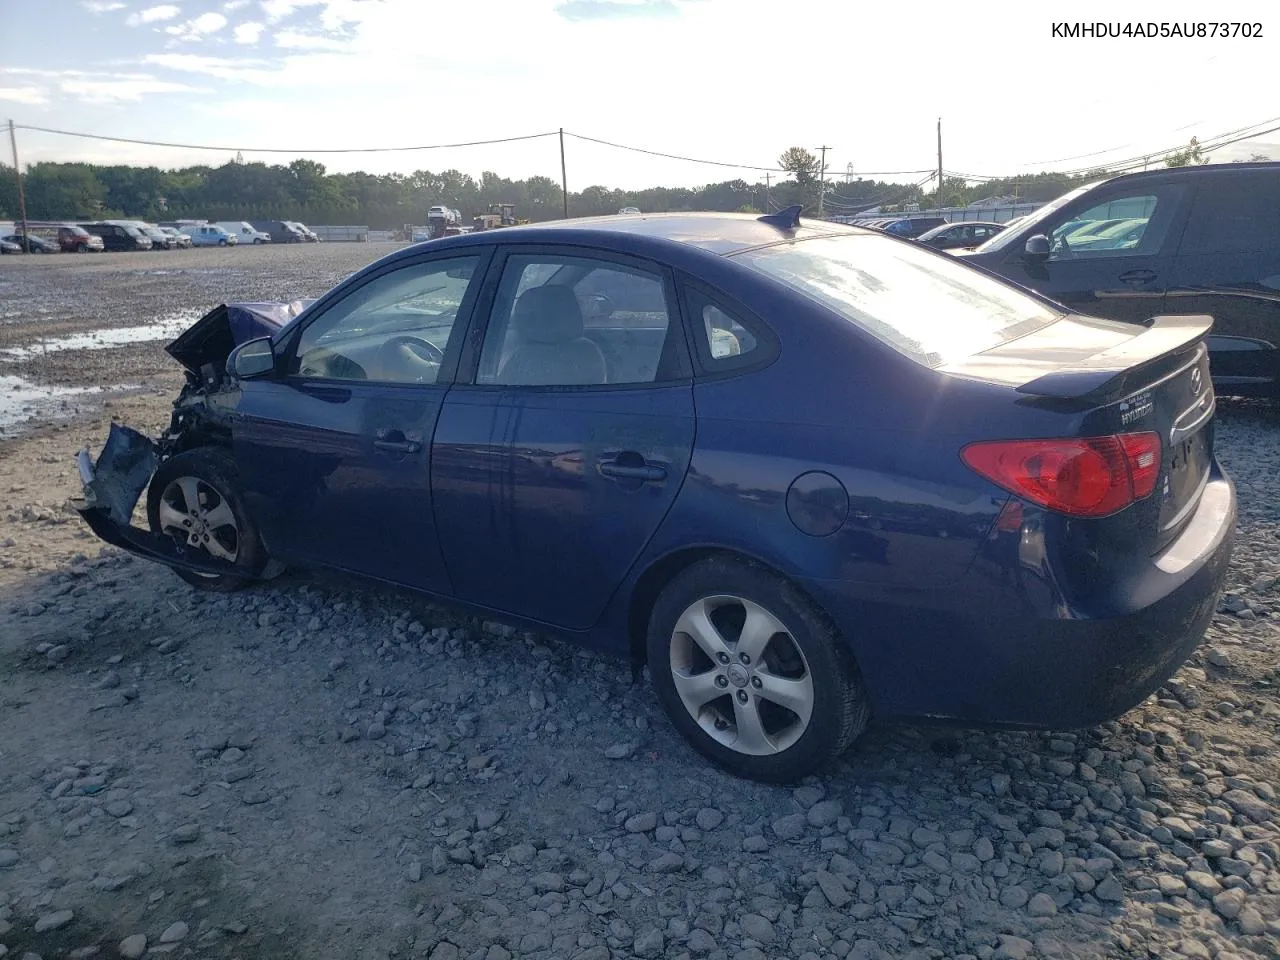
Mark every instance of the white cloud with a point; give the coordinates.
(101, 6)
(120, 88)
(165, 11)
(293, 40)
(249, 32)
(32, 96)
(218, 68)
(197, 29)
(232, 5)
(277, 10)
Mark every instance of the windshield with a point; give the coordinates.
(928, 306)
(1006, 236)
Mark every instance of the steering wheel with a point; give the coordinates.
(422, 348)
(398, 354)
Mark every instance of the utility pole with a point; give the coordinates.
(822, 176)
(939, 162)
(768, 201)
(22, 200)
(564, 178)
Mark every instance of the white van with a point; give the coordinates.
(244, 232)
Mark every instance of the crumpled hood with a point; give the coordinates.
(210, 340)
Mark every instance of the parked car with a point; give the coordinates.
(308, 234)
(1201, 240)
(244, 232)
(629, 210)
(280, 231)
(806, 472)
(910, 227)
(118, 236)
(181, 240)
(73, 239)
(211, 235)
(160, 240)
(33, 243)
(968, 233)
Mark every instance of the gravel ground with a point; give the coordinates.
(321, 768)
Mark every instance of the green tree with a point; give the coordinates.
(63, 190)
(800, 163)
(1193, 155)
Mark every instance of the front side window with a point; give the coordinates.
(392, 329)
(1123, 225)
(926, 306)
(576, 321)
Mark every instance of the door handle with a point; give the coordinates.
(632, 466)
(396, 441)
(1137, 276)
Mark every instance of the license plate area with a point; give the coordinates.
(1184, 478)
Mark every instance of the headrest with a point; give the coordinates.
(547, 314)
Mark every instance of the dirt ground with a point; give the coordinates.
(318, 767)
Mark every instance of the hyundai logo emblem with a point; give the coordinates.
(1195, 381)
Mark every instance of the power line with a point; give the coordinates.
(200, 146)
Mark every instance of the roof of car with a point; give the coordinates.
(720, 233)
(1197, 170)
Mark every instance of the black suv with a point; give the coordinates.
(1187, 240)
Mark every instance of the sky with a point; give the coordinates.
(736, 81)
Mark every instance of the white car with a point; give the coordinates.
(629, 210)
(211, 235)
(244, 232)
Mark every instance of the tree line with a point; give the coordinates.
(304, 190)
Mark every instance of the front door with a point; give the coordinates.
(1111, 259)
(335, 450)
(554, 468)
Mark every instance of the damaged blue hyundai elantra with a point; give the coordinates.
(807, 473)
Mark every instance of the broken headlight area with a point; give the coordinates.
(115, 481)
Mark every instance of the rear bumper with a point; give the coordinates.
(1054, 671)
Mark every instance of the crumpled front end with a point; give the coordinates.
(115, 481)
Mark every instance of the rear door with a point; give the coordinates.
(335, 449)
(552, 470)
(1228, 266)
(1120, 276)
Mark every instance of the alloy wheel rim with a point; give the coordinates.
(741, 675)
(196, 512)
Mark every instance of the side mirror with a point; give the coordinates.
(1037, 247)
(254, 358)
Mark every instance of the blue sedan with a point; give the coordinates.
(809, 474)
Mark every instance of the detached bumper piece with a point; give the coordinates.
(112, 487)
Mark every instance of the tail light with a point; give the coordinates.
(1079, 476)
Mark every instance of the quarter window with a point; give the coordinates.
(393, 329)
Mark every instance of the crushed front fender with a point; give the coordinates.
(112, 487)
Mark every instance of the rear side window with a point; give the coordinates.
(1234, 213)
(925, 305)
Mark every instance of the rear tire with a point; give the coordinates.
(752, 674)
(195, 498)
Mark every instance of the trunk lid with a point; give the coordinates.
(1112, 378)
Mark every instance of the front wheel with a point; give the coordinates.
(222, 243)
(752, 674)
(194, 497)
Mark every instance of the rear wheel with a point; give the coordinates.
(752, 674)
(194, 497)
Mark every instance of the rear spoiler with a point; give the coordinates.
(1163, 337)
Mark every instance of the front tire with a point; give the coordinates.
(195, 498)
(222, 243)
(752, 674)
